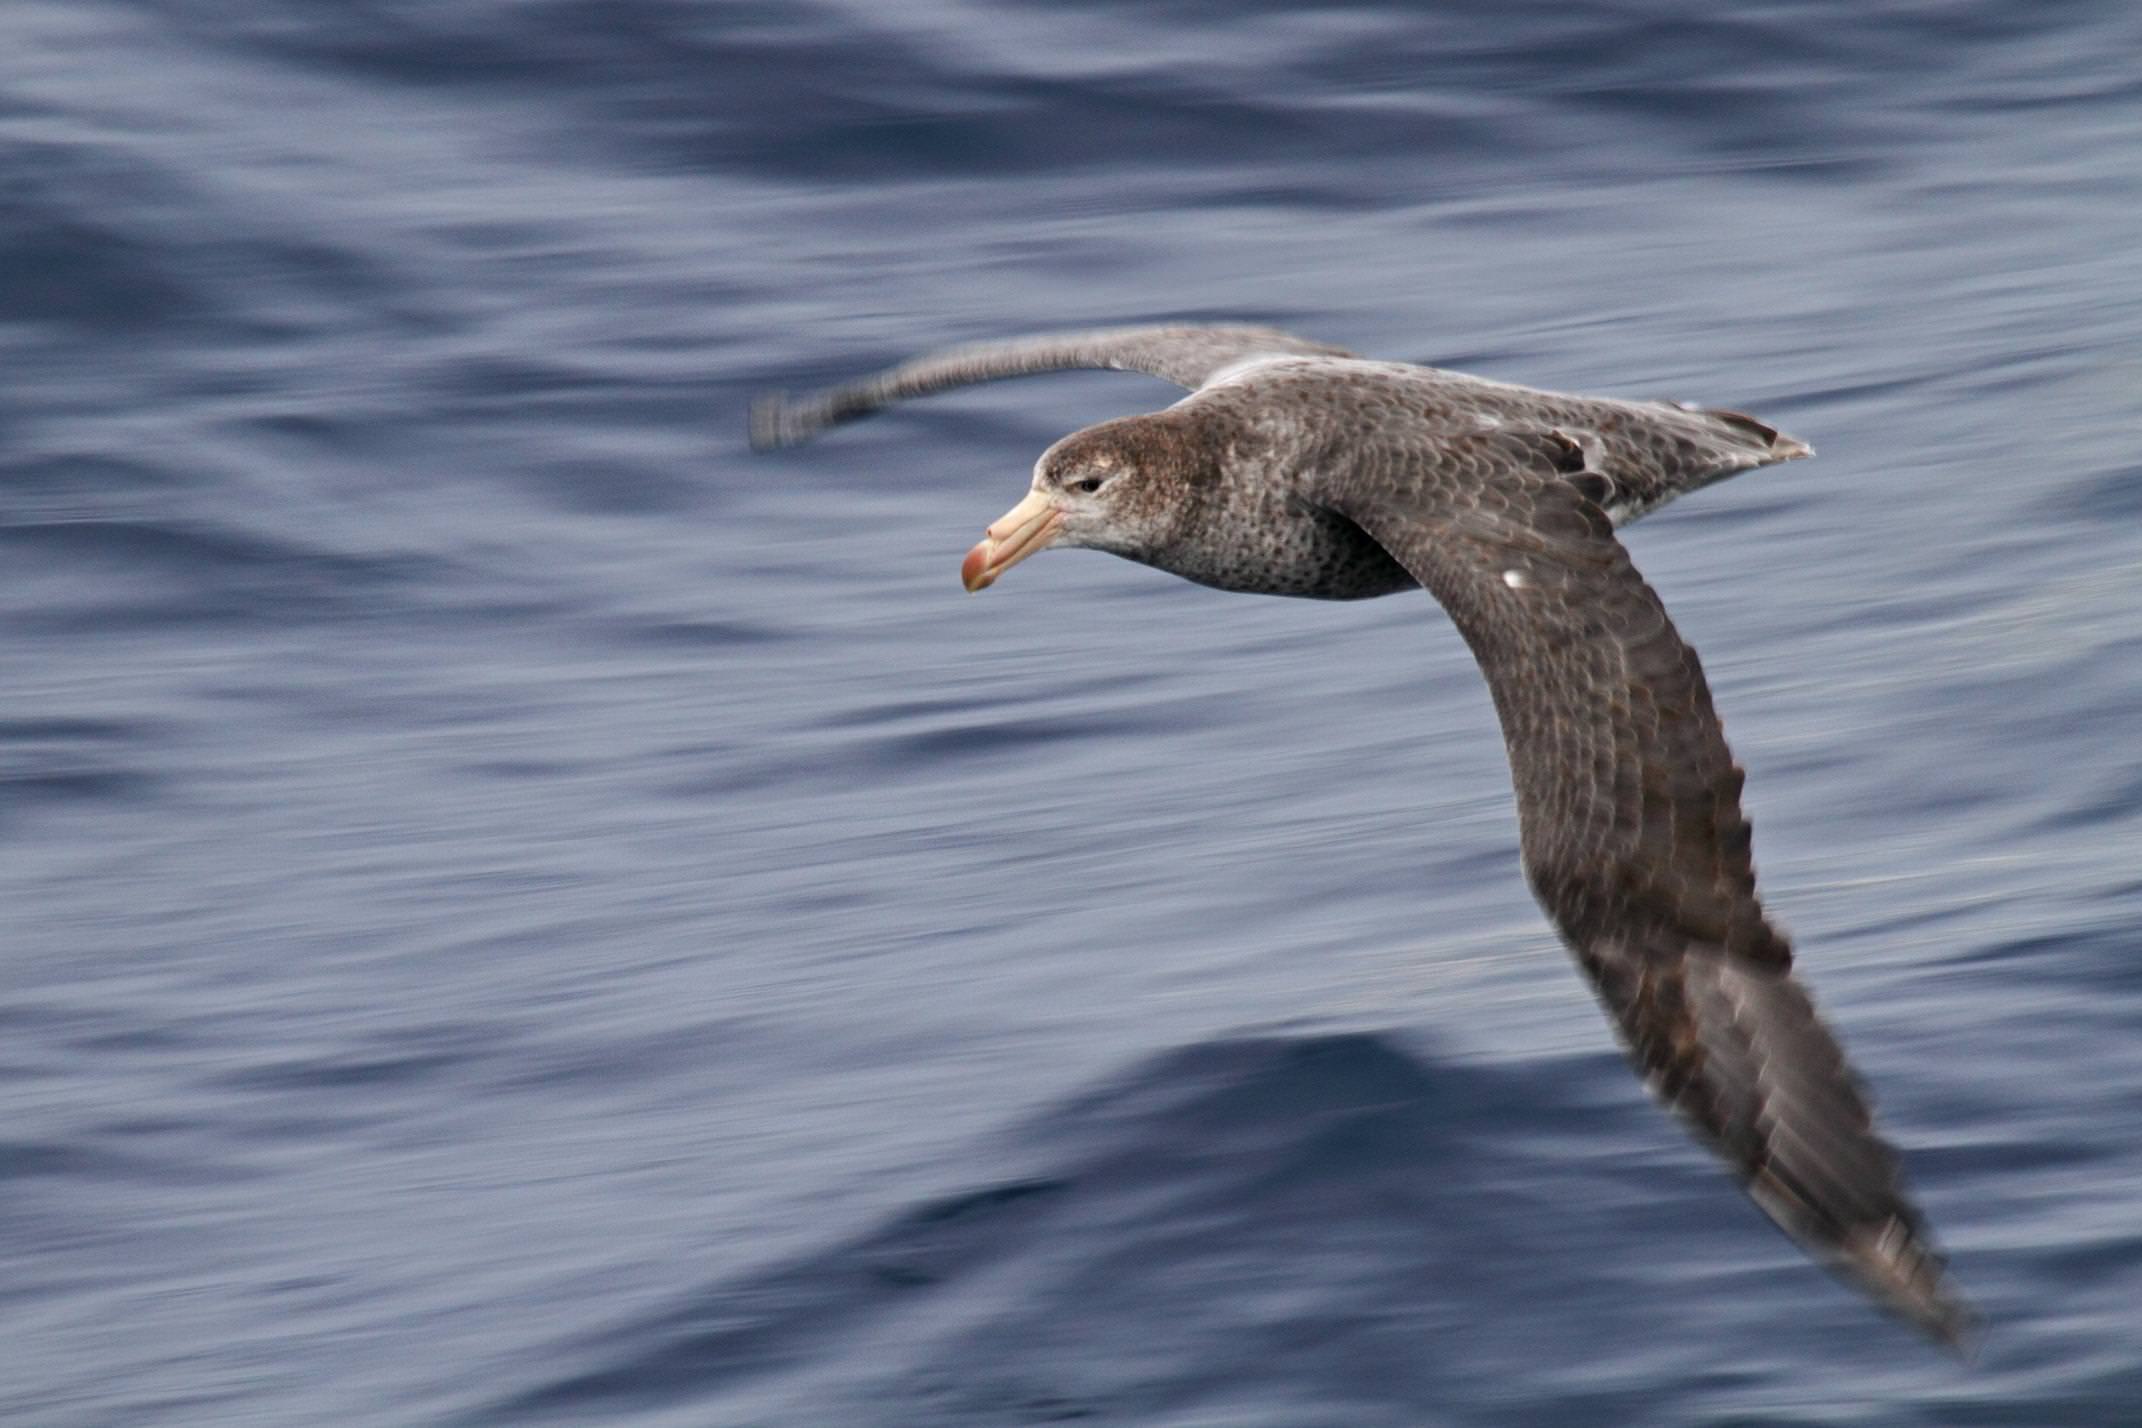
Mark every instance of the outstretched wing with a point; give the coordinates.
(1187, 356)
(1630, 821)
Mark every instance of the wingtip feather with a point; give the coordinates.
(775, 423)
(1910, 1278)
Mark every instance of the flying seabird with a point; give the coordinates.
(1296, 468)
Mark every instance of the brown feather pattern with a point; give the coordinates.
(1294, 468)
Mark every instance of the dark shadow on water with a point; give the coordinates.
(1324, 1221)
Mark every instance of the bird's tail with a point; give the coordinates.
(1768, 443)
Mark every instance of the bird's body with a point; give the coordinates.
(1268, 451)
(1294, 468)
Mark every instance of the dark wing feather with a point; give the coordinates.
(1186, 356)
(1629, 810)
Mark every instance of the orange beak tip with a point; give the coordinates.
(1024, 529)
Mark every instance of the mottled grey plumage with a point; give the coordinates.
(1297, 469)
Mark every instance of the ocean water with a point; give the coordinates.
(513, 910)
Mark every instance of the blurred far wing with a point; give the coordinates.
(1186, 356)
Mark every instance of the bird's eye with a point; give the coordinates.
(1090, 485)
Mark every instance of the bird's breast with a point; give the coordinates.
(1280, 544)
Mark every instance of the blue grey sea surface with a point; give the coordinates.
(514, 911)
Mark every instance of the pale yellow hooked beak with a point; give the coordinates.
(1022, 530)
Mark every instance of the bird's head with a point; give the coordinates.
(1125, 486)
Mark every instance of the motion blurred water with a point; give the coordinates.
(514, 911)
